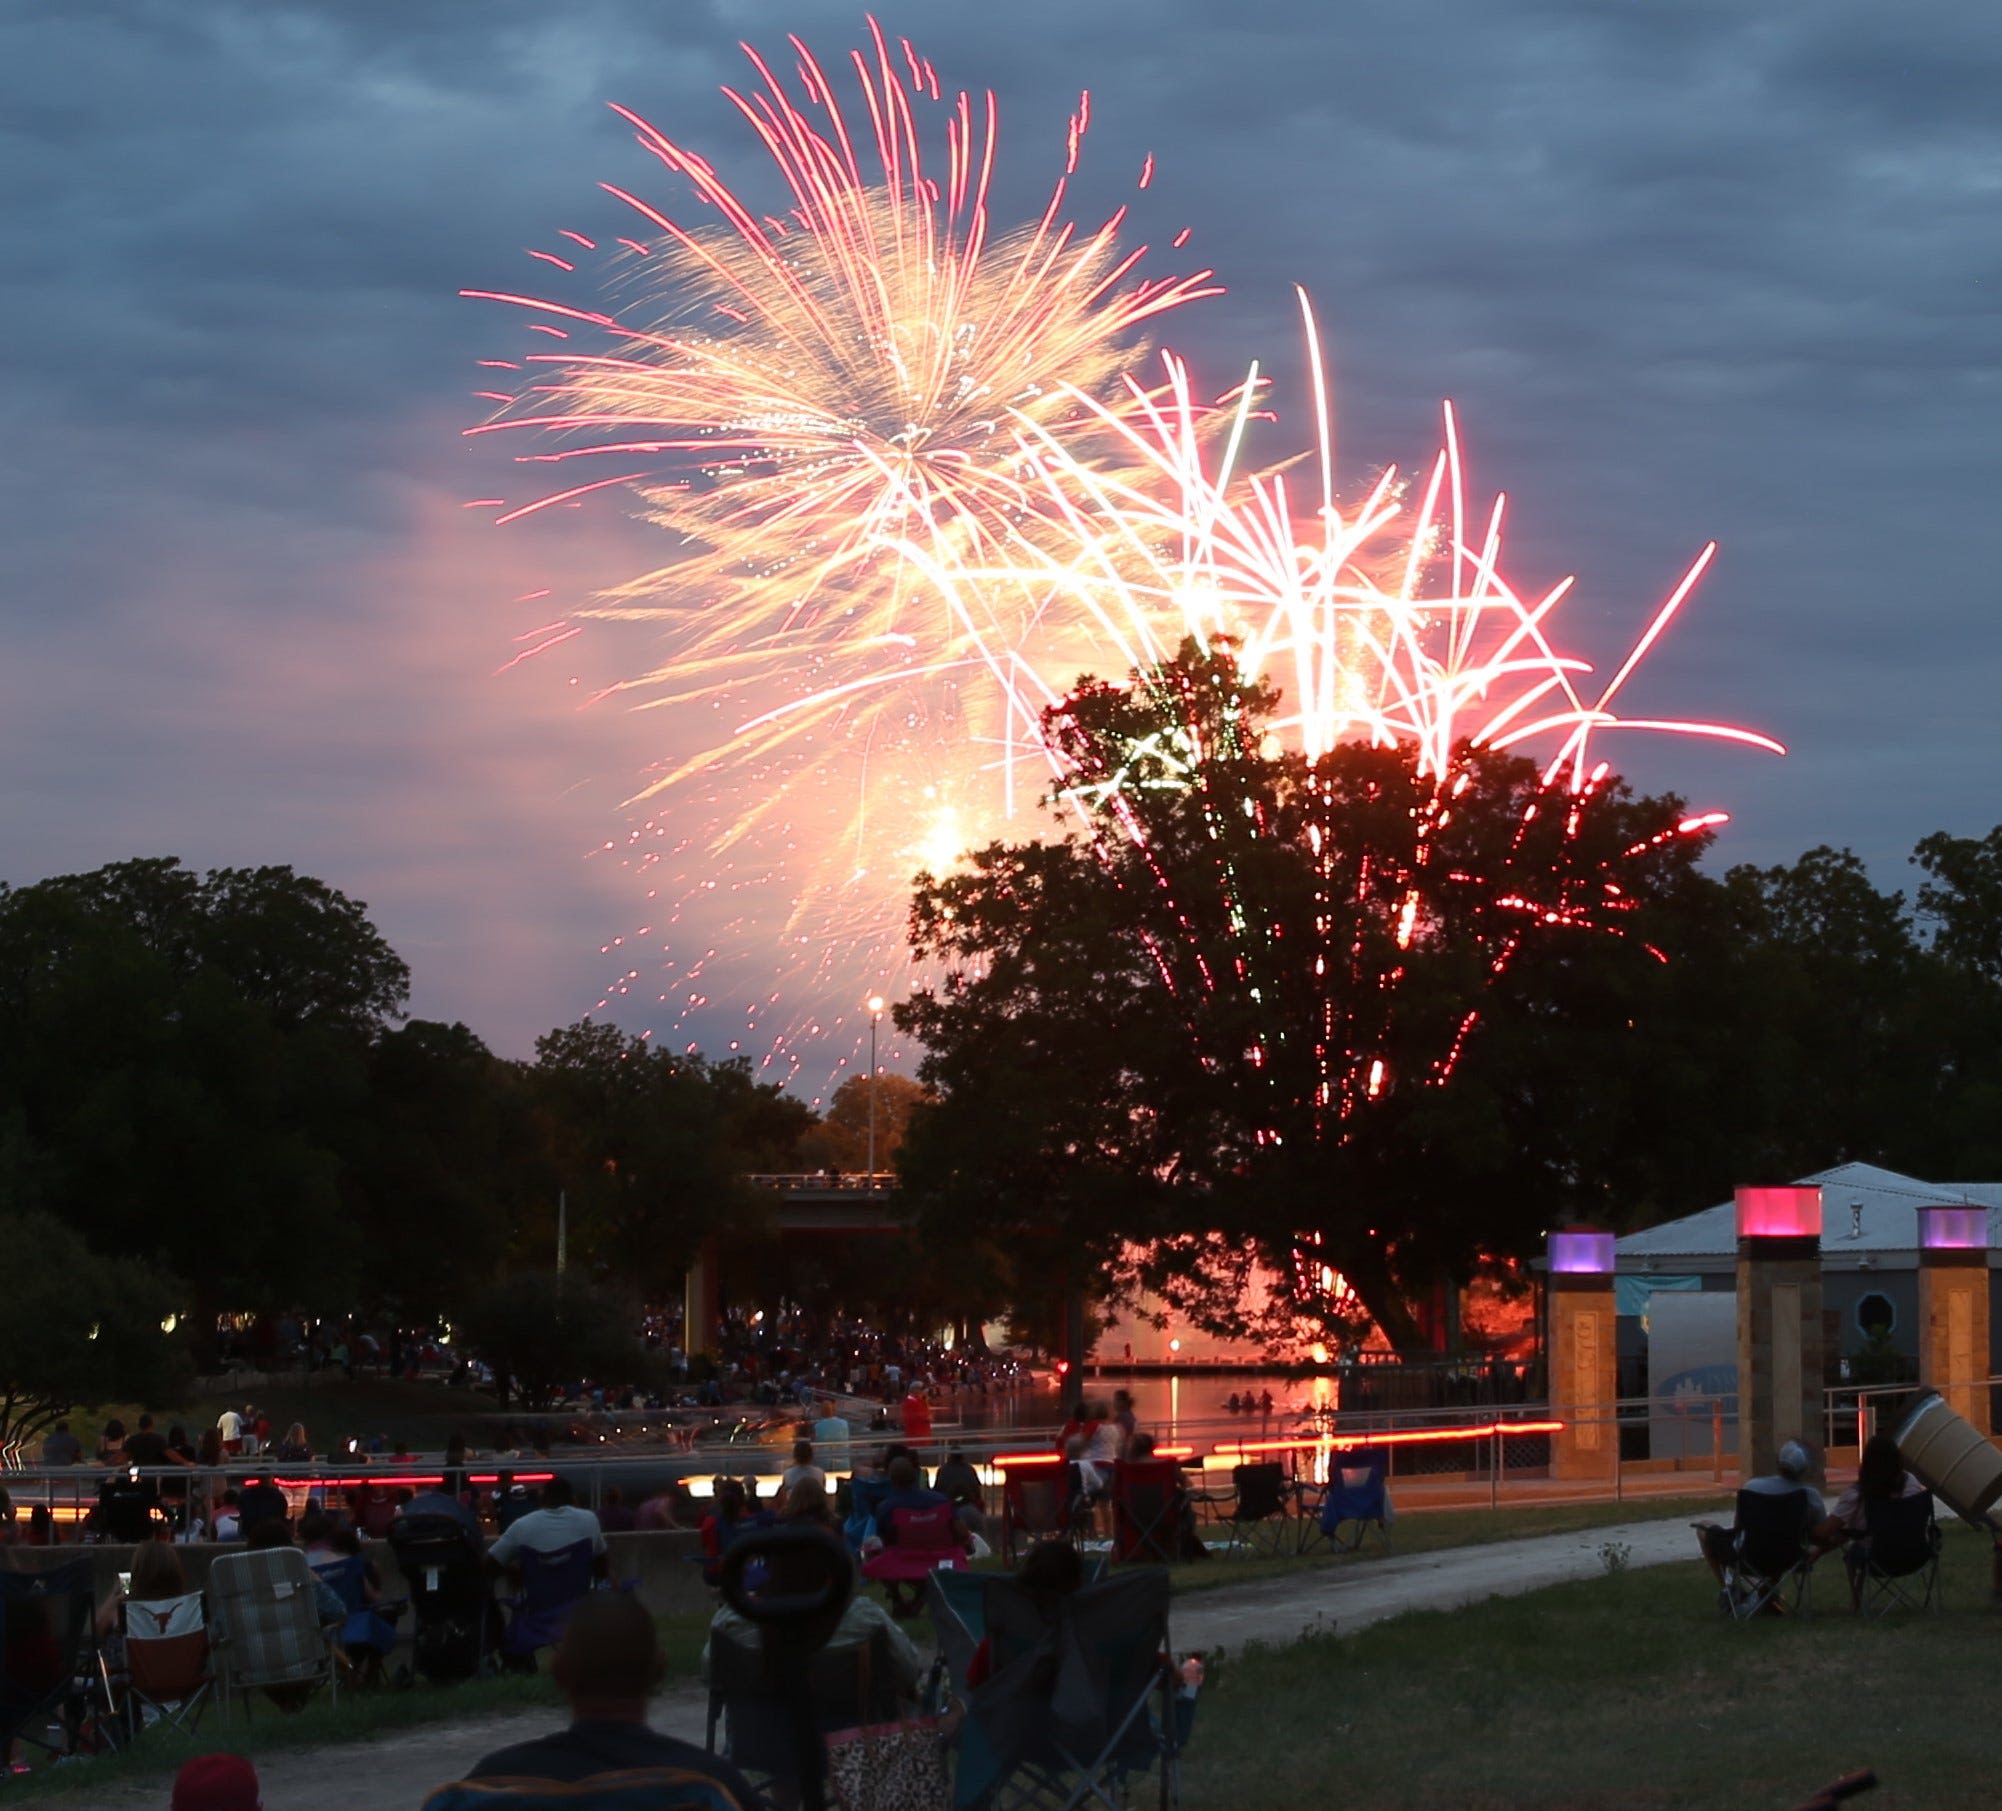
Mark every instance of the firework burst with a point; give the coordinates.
(1390, 627)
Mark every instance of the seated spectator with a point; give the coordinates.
(62, 1447)
(608, 1664)
(907, 1491)
(958, 1482)
(558, 1524)
(511, 1501)
(1055, 1568)
(156, 1573)
(226, 1524)
(294, 1448)
(1792, 1464)
(802, 1470)
(1880, 1477)
(145, 1445)
(657, 1512)
(111, 1443)
(615, 1514)
(217, 1782)
(326, 1600)
(862, 1620)
(41, 1530)
(261, 1501)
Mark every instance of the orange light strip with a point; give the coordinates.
(1413, 1438)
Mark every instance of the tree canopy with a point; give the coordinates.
(1356, 1013)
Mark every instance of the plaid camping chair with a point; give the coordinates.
(1081, 1703)
(1896, 1563)
(264, 1625)
(168, 1676)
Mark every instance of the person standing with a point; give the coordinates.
(229, 1424)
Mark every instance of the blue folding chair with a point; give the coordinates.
(1356, 1492)
(552, 1585)
(865, 1497)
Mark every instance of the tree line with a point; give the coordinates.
(1137, 1046)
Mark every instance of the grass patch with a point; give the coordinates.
(1625, 1691)
(1434, 1531)
(358, 1717)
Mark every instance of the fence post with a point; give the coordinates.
(1494, 1469)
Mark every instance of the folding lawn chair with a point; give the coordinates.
(1900, 1555)
(48, 1654)
(1356, 1491)
(1035, 1503)
(1767, 1562)
(1147, 1503)
(552, 1585)
(264, 1625)
(926, 1540)
(368, 1636)
(1258, 1521)
(168, 1676)
(864, 1494)
(846, 1686)
(1081, 1703)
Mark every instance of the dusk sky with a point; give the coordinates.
(1709, 269)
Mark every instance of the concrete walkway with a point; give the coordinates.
(393, 1772)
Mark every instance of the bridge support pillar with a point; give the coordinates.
(702, 1300)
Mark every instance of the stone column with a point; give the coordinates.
(702, 1300)
(1953, 1308)
(1781, 1345)
(1584, 1367)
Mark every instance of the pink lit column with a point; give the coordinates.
(1953, 1307)
(1781, 1355)
(1584, 1372)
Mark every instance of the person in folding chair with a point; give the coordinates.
(1073, 1698)
(607, 1665)
(1886, 1519)
(1762, 1562)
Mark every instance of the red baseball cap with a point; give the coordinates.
(217, 1782)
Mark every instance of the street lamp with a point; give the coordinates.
(875, 1019)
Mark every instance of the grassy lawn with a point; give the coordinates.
(1627, 1691)
(1433, 1531)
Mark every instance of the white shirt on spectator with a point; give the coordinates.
(229, 1424)
(549, 1531)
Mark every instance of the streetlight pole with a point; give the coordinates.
(875, 1018)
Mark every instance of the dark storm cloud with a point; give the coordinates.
(1688, 270)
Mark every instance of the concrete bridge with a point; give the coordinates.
(819, 1201)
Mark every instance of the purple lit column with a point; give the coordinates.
(1782, 1351)
(1584, 1371)
(1953, 1307)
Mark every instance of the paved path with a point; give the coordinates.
(400, 1768)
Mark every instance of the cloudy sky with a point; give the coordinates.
(1709, 269)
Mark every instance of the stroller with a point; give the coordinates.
(454, 1619)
